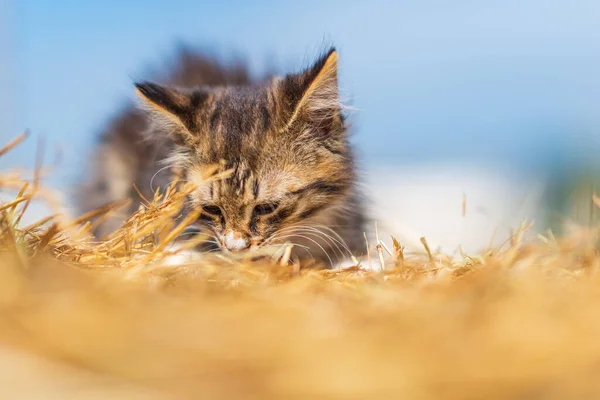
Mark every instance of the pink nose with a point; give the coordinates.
(235, 241)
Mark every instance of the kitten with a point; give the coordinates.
(284, 142)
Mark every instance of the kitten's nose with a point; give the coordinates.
(235, 241)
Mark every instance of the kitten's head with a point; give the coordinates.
(282, 143)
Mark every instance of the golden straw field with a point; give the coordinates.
(114, 319)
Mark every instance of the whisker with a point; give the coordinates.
(313, 231)
(332, 239)
(318, 235)
(311, 240)
(154, 176)
(284, 245)
(336, 235)
(197, 230)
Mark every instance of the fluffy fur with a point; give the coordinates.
(280, 147)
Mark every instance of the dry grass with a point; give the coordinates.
(111, 320)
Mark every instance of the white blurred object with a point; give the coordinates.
(416, 201)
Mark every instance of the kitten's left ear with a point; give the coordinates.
(313, 96)
(172, 108)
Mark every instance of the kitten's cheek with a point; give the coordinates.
(255, 243)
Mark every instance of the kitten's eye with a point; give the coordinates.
(264, 209)
(214, 211)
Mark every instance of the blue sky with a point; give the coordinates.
(508, 81)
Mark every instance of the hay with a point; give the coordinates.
(112, 319)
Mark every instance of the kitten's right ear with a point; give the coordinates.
(173, 109)
(314, 96)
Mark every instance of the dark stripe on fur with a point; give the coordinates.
(321, 186)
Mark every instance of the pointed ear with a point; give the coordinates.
(313, 96)
(173, 109)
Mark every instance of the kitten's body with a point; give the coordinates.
(284, 142)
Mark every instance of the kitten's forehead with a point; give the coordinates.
(235, 123)
(239, 109)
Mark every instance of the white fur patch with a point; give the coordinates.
(181, 257)
(233, 243)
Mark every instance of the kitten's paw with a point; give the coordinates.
(181, 257)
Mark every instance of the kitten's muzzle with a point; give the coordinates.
(235, 241)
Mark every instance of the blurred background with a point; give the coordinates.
(469, 115)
